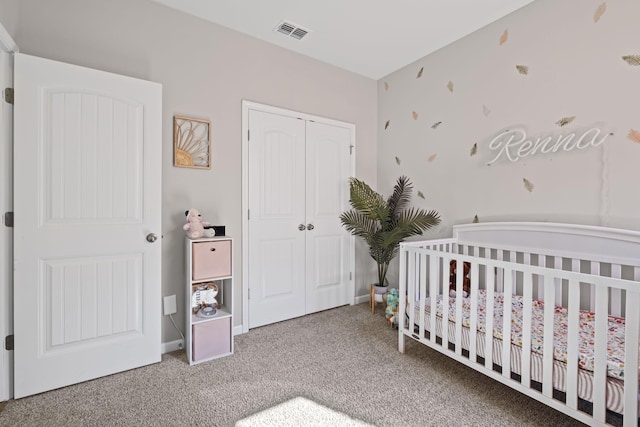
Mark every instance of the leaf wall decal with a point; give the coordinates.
(523, 69)
(504, 37)
(634, 135)
(632, 59)
(435, 125)
(475, 219)
(486, 111)
(474, 149)
(432, 157)
(420, 195)
(450, 86)
(414, 115)
(386, 86)
(565, 121)
(599, 12)
(398, 160)
(420, 73)
(386, 125)
(528, 185)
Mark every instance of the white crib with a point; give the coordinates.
(578, 284)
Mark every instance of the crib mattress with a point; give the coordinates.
(615, 362)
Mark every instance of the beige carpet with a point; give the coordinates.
(344, 361)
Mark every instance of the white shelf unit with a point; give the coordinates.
(209, 260)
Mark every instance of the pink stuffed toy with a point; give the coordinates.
(194, 226)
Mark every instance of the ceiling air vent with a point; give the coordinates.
(291, 30)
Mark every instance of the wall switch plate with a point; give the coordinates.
(170, 305)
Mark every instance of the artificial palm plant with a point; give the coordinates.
(385, 224)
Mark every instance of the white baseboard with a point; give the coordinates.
(168, 347)
(362, 298)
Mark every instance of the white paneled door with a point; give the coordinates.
(87, 162)
(327, 244)
(299, 256)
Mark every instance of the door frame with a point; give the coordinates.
(246, 107)
(7, 48)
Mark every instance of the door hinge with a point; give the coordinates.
(8, 95)
(249, 293)
(248, 134)
(8, 219)
(8, 342)
(350, 275)
(351, 150)
(248, 214)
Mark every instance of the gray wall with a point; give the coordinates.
(442, 119)
(573, 54)
(206, 71)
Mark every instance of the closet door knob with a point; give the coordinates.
(151, 237)
(310, 227)
(302, 227)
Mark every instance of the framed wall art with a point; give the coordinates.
(191, 142)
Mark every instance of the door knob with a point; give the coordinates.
(301, 227)
(151, 237)
(310, 227)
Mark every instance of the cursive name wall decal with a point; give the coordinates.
(514, 144)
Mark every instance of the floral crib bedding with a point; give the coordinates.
(615, 335)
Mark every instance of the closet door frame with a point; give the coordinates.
(246, 107)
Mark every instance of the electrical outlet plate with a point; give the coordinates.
(170, 305)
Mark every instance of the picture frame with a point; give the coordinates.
(191, 142)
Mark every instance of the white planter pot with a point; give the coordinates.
(379, 291)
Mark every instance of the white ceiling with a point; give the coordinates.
(369, 37)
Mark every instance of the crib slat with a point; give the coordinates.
(445, 301)
(412, 279)
(473, 335)
(527, 259)
(575, 264)
(459, 298)
(422, 292)
(402, 291)
(434, 271)
(616, 294)
(547, 356)
(631, 358)
(489, 308)
(572, 344)
(557, 264)
(542, 262)
(500, 272)
(595, 270)
(506, 323)
(527, 297)
(600, 354)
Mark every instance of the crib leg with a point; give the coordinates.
(400, 341)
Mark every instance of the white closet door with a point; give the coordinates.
(327, 243)
(87, 168)
(276, 210)
(299, 256)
